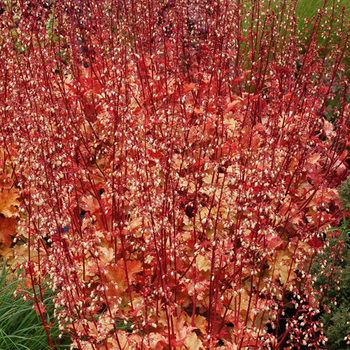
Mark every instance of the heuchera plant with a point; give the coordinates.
(175, 169)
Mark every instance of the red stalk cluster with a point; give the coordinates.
(175, 166)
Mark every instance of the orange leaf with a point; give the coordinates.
(274, 242)
(7, 229)
(192, 342)
(314, 158)
(9, 203)
(90, 204)
(232, 106)
(117, 274)
(189, 87)
(203, 263)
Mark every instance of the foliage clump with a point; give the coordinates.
(174, 168)
(336, 302)
(344, 194)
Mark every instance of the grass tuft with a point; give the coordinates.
(20, 326)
